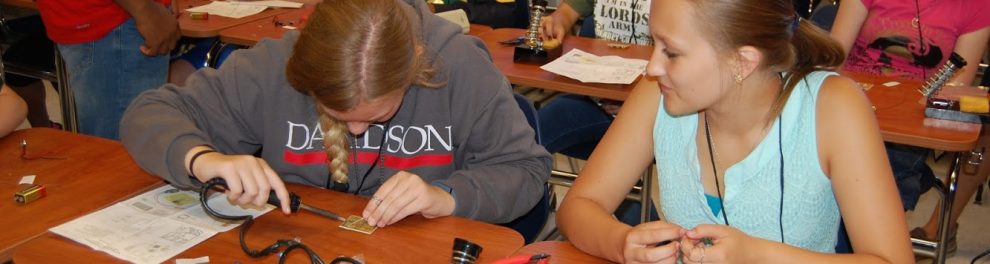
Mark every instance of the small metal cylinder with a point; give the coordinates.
(199, 15)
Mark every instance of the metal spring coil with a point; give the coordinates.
(935, 83)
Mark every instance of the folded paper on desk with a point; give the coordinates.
(153, 226)
(591, 68)
(228, 9)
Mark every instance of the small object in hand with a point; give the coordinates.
(30, 194)
(199, 15)
(707, 241)
(618, 45)
(358, 224)
(551, 43)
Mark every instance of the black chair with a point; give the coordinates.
(530, 224)
(824, 14)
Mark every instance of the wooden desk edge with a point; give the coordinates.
(7, 254)
(21, 3)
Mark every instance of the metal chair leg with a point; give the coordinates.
(70, 121)
(937, 249)
(646, 202)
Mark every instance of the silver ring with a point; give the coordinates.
(377, 200)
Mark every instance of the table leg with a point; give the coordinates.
(937, 249)
(67, 100)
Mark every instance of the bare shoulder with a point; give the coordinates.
(839, 97)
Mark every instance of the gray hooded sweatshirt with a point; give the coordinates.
(469, 135)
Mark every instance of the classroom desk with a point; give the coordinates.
(900, 113)
(532, 76)
(414, 239)
(211, 27)
(248, 34)
(560, 252)
(20, 3)
(92, 174)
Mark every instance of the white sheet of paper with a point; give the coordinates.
(29, 179)
(228, 9)
(203, 259)
(272, 3)
(154, 226)
(590, 68)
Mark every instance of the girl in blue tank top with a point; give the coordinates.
(759, 148)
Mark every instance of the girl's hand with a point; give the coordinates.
(652, 242)
(249, 179)
(404, 194)
(709, 243)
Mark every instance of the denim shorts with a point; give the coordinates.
(106, 74)
(911, 173)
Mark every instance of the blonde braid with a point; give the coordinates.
(336, 145)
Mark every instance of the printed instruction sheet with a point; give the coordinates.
(591, 68)
(154, 226)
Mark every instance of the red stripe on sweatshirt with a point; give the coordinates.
(367, 158)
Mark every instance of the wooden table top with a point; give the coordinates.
(92, 174)
(900, 112)
(531, 75)
(248, 34)
(212, 26)
(414, 239)
(560, 252)
(899, 109)
(20, 3)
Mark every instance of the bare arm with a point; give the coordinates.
(555, 25)
(13, 110)
(155, 23)
(847, 23)
(971, 47)
(585, 215)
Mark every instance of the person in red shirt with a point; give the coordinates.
(113, 50)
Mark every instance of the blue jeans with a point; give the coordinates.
(572, 125)
(106, 74)
(911, 174)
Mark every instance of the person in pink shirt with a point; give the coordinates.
(911, 40)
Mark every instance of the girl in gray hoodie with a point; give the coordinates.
(378, 98)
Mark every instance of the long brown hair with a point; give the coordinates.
(353, 51)
(788, 44)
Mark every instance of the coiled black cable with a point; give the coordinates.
(248, 220)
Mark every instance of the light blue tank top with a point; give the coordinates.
(752, 194)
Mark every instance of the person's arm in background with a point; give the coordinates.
(971, 47)
(13, 110)
(156, 24)
(847, 23)
(555, 26)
